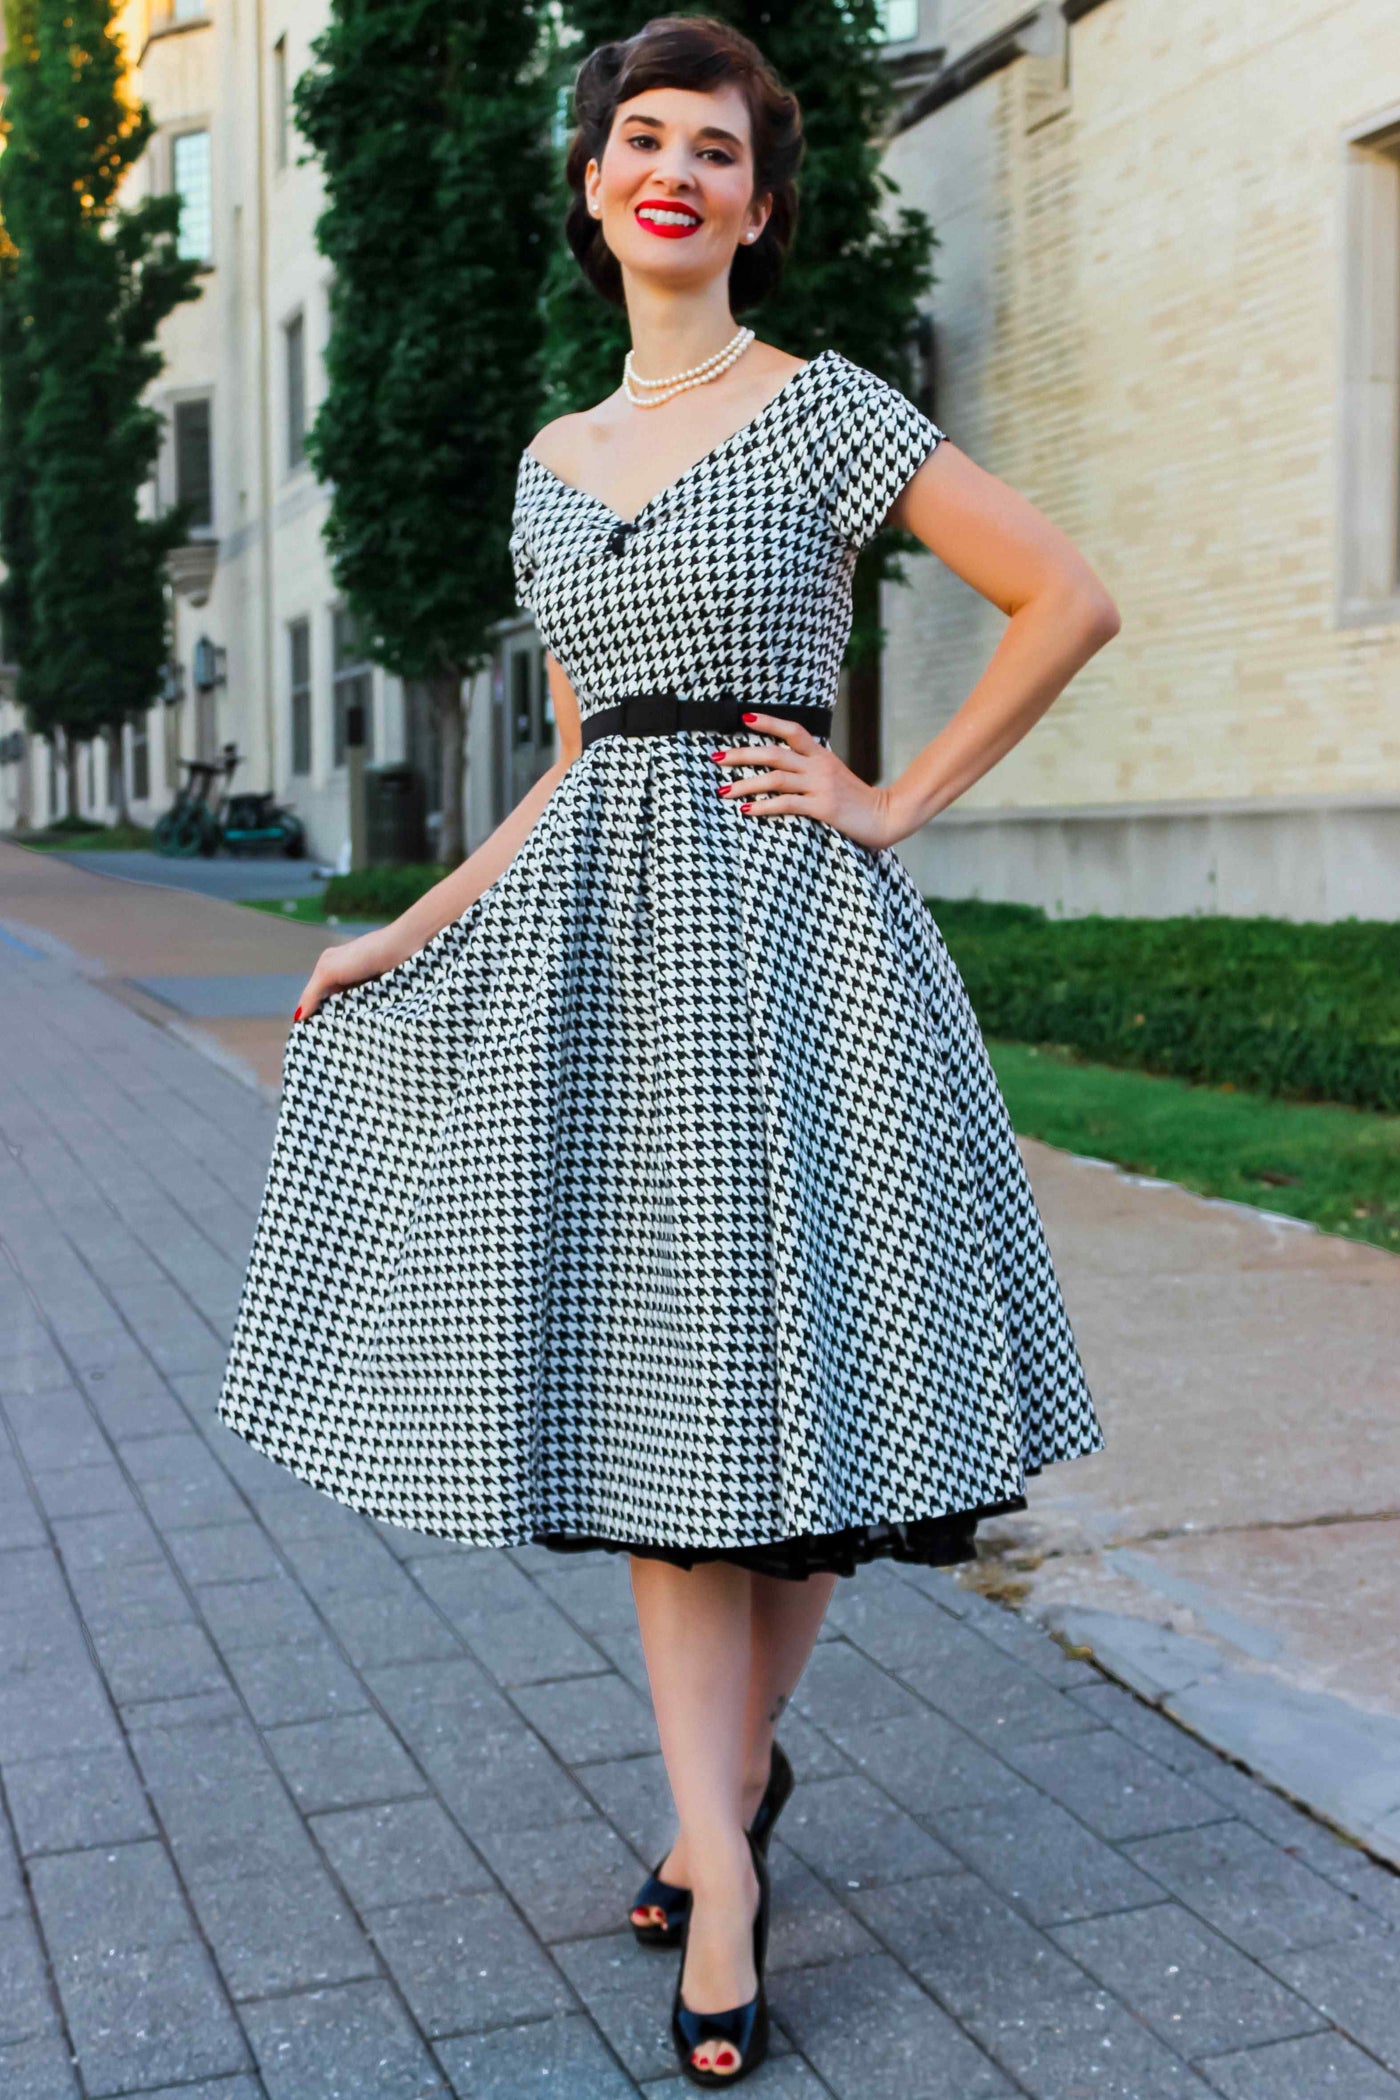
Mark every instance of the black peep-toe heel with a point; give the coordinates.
(744, 2027)
(674, 1900)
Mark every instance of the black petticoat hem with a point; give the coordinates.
(933, 1542)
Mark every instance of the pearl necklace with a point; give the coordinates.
(679, 382)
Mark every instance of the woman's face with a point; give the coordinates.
(690, 153)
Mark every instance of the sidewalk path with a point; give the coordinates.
(187, 960)
(304, 1806)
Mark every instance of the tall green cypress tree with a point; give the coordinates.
(430, 119)
(85, 283)
(854, 276)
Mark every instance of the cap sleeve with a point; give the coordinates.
(872, 442)
(521, 553)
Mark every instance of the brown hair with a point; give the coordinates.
(688, 51)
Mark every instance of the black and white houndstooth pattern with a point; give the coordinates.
(668, 1193)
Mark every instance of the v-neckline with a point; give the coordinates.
(714, 452)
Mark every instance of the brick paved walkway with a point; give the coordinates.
(303, 1806)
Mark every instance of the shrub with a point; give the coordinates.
(1304, 1012)
(379, 893)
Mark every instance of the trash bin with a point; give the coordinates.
(396, 815)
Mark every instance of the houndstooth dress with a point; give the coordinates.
(665, 1201)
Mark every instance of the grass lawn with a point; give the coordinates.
(307, 911)
(1338, 1167)
(100, 838)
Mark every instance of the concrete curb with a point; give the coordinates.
(1335, 1760)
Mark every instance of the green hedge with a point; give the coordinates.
(379, 893)
(1304, 1012)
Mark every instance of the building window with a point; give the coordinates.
(1370, 405)
(295, 342)
(299, 652)
(353, 683)
(194, 476)
(899, 20)
(140, 747)
(190, 178)
(281, 120)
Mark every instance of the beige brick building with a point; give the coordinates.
(1169, 313)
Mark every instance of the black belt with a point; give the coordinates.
(662, 712)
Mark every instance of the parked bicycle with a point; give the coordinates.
(244, 824)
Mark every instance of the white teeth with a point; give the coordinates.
(668, 218)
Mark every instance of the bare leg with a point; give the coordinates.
(724, 1649)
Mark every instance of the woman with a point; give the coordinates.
(645, 1186)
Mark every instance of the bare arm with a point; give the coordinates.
(373, 953)
(1059, 613)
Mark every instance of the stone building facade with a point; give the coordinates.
(1169, 314)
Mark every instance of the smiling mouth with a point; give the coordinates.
(667, 220)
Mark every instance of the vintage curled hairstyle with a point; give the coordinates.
(688, 51)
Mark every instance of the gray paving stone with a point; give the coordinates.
(91, 1798)
(41, 2069)
(595, 1594)
(55, 1706)
(107, 1895)
(14, 1897)
(33, 1580)
(564, 2056)
(399, 1852)
(809, 1923)
(1050, 1866)
(235, 1552)
(296, 1681)
(57, 1429)
(1085, 2044)
(1355, 1985)
(258, 1614)
(1116, 1788)
(977, 1955)
(1166, 1740)
(130, 1596)
(925, 1763)
(1200, 1994)
(530, 1646)
(1319, 2067)
(28, 2008)
(349, 2042)
(584, 1718)
(149, 2016)
(349, 1759)
(854, 1836)
(158, 1662)
(870, 2032)
(103, 1541)
(83, 1491)
(400, 1628)
(1252, 1891)
(287, 1929)
(467, 1961)
(840, 1681)
(40, 1640)
(243, 2086)
(570, 1879)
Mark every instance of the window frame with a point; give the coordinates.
(179, 138)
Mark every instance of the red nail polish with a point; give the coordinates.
(717, 754)
(746, 806)
(724, 788)
(297, 1015)
(748, 718)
